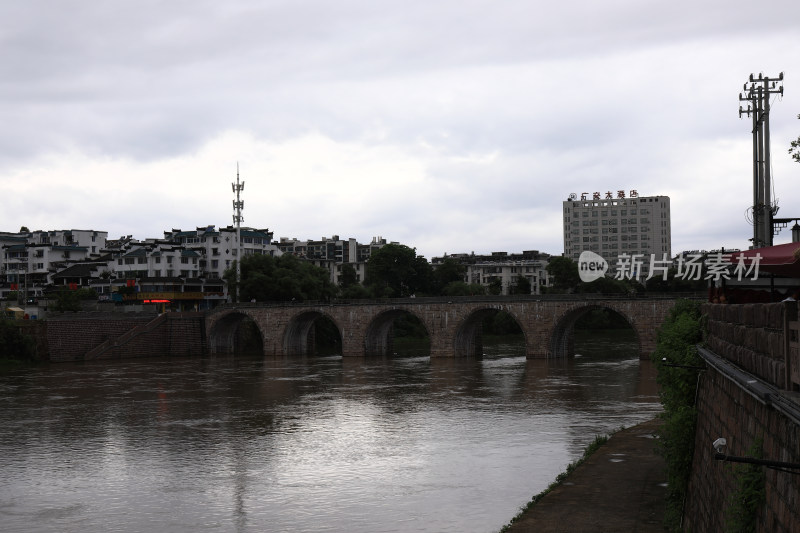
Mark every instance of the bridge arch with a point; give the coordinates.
(452, 325)
(468, 338)
(297, 338)
(562, 336)
(377, 337)
(235, 332)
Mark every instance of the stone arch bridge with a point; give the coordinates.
(453, 325)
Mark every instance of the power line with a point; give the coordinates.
(757, 92)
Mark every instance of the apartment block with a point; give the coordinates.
(505, 268)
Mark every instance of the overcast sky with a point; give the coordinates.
(450, 126)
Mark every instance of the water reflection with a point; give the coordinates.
(303, 444)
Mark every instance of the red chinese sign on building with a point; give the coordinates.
(609, 195)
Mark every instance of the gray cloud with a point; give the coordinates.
(507, 106)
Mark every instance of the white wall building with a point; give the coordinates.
(505, 268)
(31, 258)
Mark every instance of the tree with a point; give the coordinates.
(13, 344)
(564, 274)
(448, 271)
(604, 285)
(521, 286)
(794, 151)
(348, 277)
(459, 288)
(395, 271)
(284, 278)
(495, 286)
(24, 229)
(349, 287)
(70, 300)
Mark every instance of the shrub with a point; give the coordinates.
(677, 344)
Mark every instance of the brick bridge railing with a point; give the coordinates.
(453, 325)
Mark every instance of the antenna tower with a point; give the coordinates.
(238, 205)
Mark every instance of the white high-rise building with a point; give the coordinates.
(612, 224)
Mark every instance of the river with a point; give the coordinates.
(306, 444)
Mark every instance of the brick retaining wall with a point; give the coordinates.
(726, 410)
(751, 336)
(71, 337)
(743, 396)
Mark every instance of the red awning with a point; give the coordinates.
(783, 259)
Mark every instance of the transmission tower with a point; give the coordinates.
(756, 93)
(238, 205)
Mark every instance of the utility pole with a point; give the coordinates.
(757, 92)
(238, 205)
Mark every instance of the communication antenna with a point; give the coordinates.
(238, 205)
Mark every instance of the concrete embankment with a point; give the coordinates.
(621, 487)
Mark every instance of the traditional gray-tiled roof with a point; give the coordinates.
(139, 252)
(70, 248)
(80, 270)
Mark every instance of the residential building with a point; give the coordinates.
(504, 268)
(332, 253)
(30, 259)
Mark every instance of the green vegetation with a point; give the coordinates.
(15, 347)
(70, 300)
(281, 279)
(460, 288)
(599, 440)
(564, 276)
(395, 271)
(794, 150)
(677, 343)
(565, 279)
(750, 493)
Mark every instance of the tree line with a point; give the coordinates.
(396, 271)
(392, 271)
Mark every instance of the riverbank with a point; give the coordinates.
(621, 487)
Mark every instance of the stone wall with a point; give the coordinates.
(725, 409)
(744, 396)
(751, 336)
(70, 337)
(106, 336)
